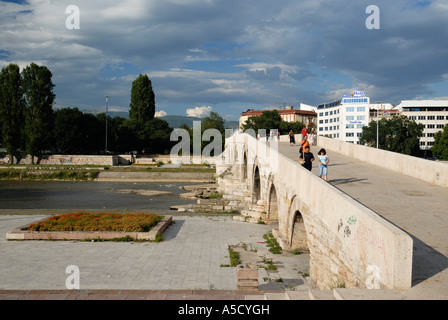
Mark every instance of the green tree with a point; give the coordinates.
(397, 134)
(143, 104)
(213, 121)
(440, 148)
(11, 109)
(271, 120)
(142, 109)
(68, 128)
(266, 121)
(38, 91)
(158, 134)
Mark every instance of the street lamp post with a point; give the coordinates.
(378, 124)
(107, 100)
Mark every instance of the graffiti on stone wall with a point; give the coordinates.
(357, 232)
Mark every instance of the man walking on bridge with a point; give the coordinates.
(307, 158)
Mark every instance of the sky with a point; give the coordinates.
(227, 56)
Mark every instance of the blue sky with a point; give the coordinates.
(230, 55)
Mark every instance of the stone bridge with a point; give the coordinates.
(349, 244)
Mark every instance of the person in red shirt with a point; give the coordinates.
(304, 132)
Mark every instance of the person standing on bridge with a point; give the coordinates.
(323, 163)
(307, 158)
(292, 139)
(303, 144)
(304, 131)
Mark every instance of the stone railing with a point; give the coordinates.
(435, 172)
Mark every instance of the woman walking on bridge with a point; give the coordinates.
(323, 163)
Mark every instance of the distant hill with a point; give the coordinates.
(173, 121)
(177, 121)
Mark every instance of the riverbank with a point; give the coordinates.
(109, 174)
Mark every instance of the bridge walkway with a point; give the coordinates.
(417, 207)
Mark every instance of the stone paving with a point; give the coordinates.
(187, 265)
(191, 258)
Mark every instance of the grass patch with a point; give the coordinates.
(272, 243)
(269, 264)
(216, 196)
(234, 257)
(23, 174)
(81, 221)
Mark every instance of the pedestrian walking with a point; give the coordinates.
(323, 164)
(303, 143)
(312, 138)
(307, 158)
(304, 131)
(292, 138)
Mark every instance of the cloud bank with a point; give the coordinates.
(230, 54)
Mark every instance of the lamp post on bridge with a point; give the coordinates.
(378, 123)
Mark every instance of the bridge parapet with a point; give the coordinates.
(349, 244)
(434, 172)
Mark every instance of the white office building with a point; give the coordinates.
(433, 114)
(344, 119)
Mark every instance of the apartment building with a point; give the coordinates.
(344, 119)
(433, 114)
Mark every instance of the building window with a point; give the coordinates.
(430, 135)
(431, 126)
(360, 126)
(421, 117)
(413, 118)
(361, 109)
(350, 109)
(349, 126)
(440, 117)
(440, 126)
(349, 134)
(361, 117)
(350, 118)
(431, 117)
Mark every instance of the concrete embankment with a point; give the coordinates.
(202, 177)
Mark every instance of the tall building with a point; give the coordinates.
(344, 119)
(433, 114)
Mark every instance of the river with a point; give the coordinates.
(89, 195)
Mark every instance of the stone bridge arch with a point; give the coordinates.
(297, 230)
(343, 236)
(256, 185)
(273, 205)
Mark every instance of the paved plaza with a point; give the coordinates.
(194, 252)
(193, 256)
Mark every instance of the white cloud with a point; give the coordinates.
(210, 52)
(199, 112)
(160, 114)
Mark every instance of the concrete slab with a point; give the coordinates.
(366, 294)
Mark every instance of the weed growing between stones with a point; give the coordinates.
(272, 243)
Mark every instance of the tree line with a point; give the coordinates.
(30, 125)
(402, 135)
